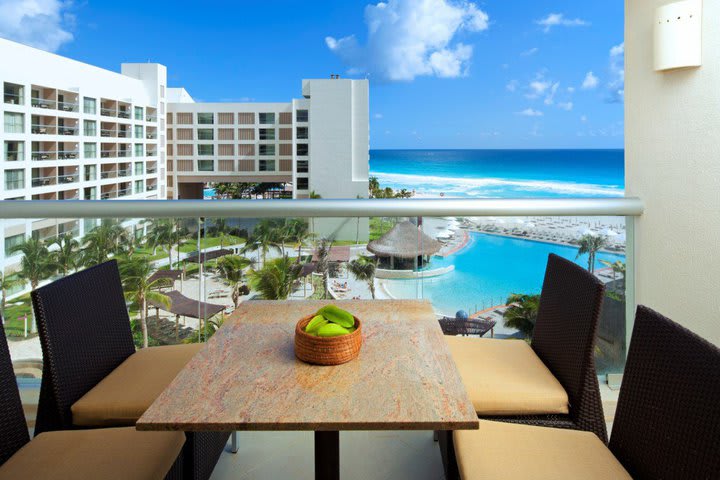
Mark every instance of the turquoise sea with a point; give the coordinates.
(502, 173)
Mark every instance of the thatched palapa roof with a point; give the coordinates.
(188, 307)
(167, 274)
(404, 240)
(195, 257)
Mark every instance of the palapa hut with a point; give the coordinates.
(404, 247)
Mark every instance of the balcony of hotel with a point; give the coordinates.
(151, 167)
(44, 176)
(108, 171)
(151, 133)
(108, 192)
(68, 101)
(73, 194)
(124, 131)
(68, 175)
(43, 97)
(124, 189)
(151, 150)
(109, 129)
(68, 151)
(124, 110)
(108, 150)
(108, 108)
(151, 114)
(68, 126)
(42, 151)
(124, 170)
(43, 125)
(151, 184)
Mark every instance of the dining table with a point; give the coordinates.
(247, 377)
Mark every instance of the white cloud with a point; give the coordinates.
(567, 106)
(378, 116)
(558, 19)
(590, 82)
(528, 53)
(529, 112)
(583, 118)
(538, 87)
(550, 98)
(411, 38)
(571, 89)
(39, 23)
(511, 86)
(616, 86)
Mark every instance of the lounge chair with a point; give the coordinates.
(92, 375)
(112, 453)
(666, 425)
(550, 382)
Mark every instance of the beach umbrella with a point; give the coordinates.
(610, 232)
(587, 231)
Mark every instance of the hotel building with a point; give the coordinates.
(73, 131)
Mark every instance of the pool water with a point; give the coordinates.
(487, 271)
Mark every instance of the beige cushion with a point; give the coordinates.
(505, 377)
(508, 451)
(108, 454)
(124, 395)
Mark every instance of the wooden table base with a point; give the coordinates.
(327, 455)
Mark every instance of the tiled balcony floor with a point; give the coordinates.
(363, 456)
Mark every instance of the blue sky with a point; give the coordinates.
(444, 73)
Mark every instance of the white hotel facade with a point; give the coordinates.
(73, 131)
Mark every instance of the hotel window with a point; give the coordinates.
(302, 166)
(169, 117)
(89, 128)
(246, 118)
(267, 134)
(301, 116)
(205, 134)
(285, 134)
(226, 150)
(246, 150)
(90, 150)
(184, 118)
(205, 165)
(302, 184)
(267, 165)
(11, 242)
(169, 132)
(267, 118)
(285, 149)
(14, 151)
(14, 94)
(226, 134)
(90, 173)
(302, 133)
(139, 151)
(285, 118)
(14, 122)
(138, 131)
(89, 105)
(162, 91)
(139, 186)
(184, 150)
(267, 150)
(205, 118)
(226, 118)
(139, 113)
(139, 167)
(246, 134)
(302, 149)
(14, 179)
(184, 133)
(206, 149)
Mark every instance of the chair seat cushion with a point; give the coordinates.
(122, 397)
(111, 453)
(505, 377)
(507, 451)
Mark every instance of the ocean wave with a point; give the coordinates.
(493, 187)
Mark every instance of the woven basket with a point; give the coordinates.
(326, 350)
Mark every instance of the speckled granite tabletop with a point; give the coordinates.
(248, 378)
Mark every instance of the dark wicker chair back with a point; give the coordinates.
(85, 333)
(565, 335)
(13, 429)
(667, 423)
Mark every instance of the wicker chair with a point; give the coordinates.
(94, 453)
(466, 326)
(85, 335)
(667, 423)
(564, 342)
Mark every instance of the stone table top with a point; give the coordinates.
(248, 378)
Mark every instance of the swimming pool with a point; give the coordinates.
(489, 269)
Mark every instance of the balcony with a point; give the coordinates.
(70, 178)
(43, 103)
(68, 154)
(124, 172)
(108, 174)
(44, 181)
(108, 112)
(68, 106)
(108, 154)
(43, 129)
(123, 113)
(68, 130)
(40, 155)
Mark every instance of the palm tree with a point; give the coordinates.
(617, 267)
(275, 279)
(162, 235)
(299, 233)
(322, 266)
(522, 313)
(221, 229)
(6, 283)
(102, 241)
(373, 186)
(264, 237)
(591, 244)
(231, 267)
(138, 288)
(35, 265)
(363, 269)
(67, 256)
(314, 196)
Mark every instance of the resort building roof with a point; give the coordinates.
(188, 307)
(337, 254)
(404, 240)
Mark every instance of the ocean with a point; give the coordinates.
(502, 173)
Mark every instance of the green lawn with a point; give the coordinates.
(208, 242)
(379, 227)
(148, 253)
(14, 325)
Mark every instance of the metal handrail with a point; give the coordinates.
(485, 207)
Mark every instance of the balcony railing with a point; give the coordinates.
(42, 103)
(150, 170)
(109, 174)
(124, 114)
(108, 154)
(125, 172)
(151, 188)
(12, 98)
(151, 136)
(108, 112)
(44, 181)
(68, 106)
(124, 133)
(151, 153)
(43, 155)
(123, 192)
(42, 129)
(107, 132)
(151, 118)
(68, 130)
(71, 178)
(68, 154)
